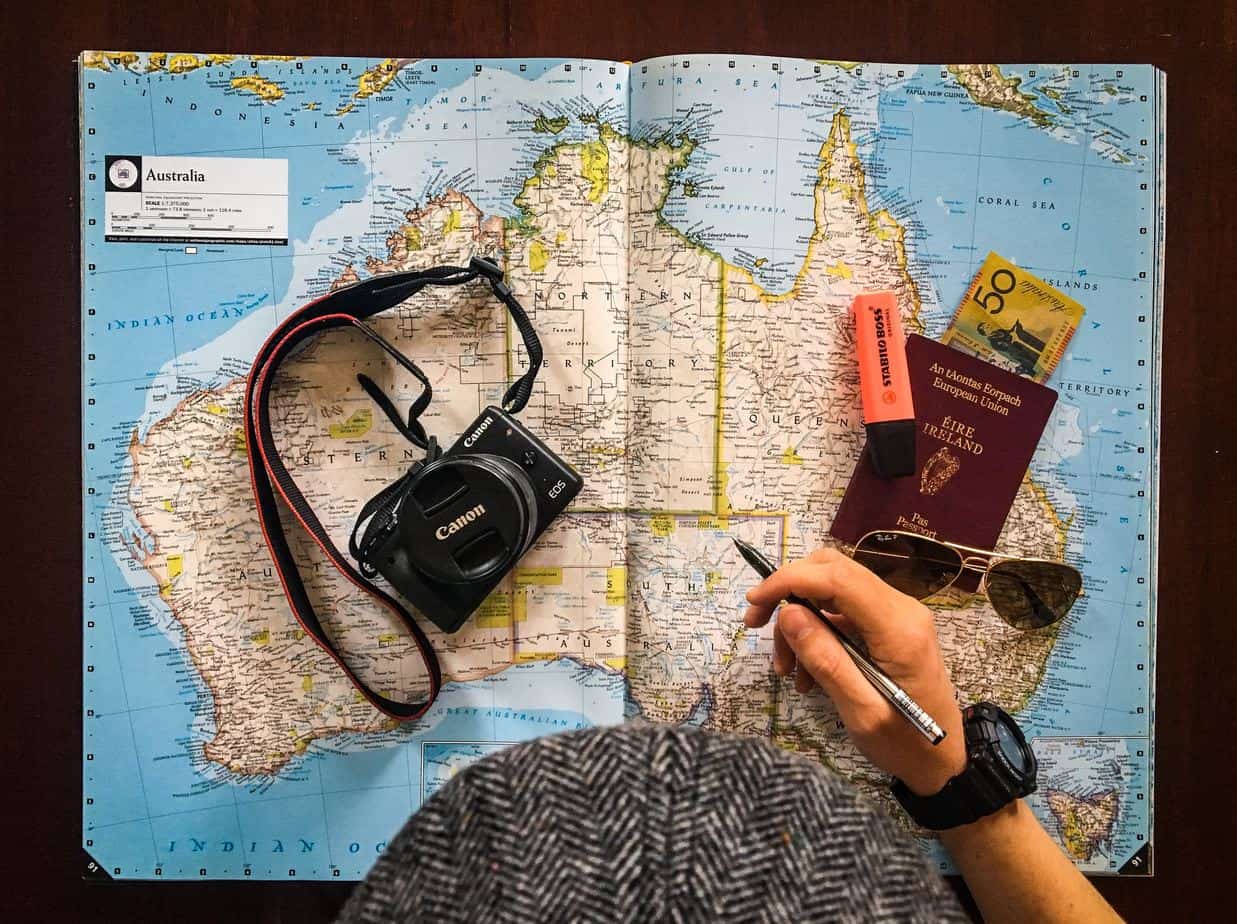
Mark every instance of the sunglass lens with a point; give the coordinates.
(1032, 594)
(915, 565)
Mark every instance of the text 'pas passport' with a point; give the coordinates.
(977, 427)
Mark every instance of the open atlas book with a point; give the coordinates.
(687, 235)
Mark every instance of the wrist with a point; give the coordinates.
(932, 779)
(940, 763)
(999, 768)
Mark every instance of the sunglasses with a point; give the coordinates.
(1028, 593)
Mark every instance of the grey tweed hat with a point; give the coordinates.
(649, 823)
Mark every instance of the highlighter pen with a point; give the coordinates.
(884, 384)
(899, 698)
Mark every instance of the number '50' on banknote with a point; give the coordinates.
(1014, 320)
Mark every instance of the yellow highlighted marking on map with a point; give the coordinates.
(543, 577)
(186, 461)
(618, 663)
(538, 257)
(307, 684)
(712, 579)
(523, 657)
(453, 221)
(495, 611)
(712, 521)
(217, 409)
(238, 440)
(261, 638)
(616, 585)
(840, 269)
(519, 604)
(356, 425)
(661, 525)
(791, 457)
(412, 237)
(595, 167)
(176, 566)
(387, 639)
(167, 505)
(560, 238)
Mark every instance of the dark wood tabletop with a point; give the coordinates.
(1195, 43)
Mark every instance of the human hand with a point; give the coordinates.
(900, 637)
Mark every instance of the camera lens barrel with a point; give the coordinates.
(468, 518)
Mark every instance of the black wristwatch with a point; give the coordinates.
(1000, 768)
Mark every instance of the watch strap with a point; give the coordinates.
(967, 797)
(986, 784)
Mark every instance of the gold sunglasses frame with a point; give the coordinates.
(978, 560)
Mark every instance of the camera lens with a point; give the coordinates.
(467, 518)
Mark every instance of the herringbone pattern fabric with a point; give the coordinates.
(649, 823)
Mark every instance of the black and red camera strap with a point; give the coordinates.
(350, 306)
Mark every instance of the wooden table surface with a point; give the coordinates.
(1196, 43)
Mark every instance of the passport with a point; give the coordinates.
(977, 427)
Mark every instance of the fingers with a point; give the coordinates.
(823, 659)
(833, 580)
(757, 616)
(783, 656)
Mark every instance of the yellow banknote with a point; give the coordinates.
(1014, 320)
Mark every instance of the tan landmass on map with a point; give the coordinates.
(747, 423)
(274, 690)
(173, 63)
(696, 404)
(266, 90)
(987, 86)
(374, 80)
(1084, 822)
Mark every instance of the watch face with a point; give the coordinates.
(1012, 748)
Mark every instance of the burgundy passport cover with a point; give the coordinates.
(977, 427)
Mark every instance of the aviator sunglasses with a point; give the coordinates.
(1028, 593)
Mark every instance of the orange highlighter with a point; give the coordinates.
(884, 384)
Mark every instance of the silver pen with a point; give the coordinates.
(899, 698)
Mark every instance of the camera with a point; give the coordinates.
(446, 533)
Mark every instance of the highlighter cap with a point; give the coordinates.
(884, 384)
(891, 448)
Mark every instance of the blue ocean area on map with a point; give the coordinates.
(332, 808)
(1059, 173)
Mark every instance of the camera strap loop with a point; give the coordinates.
(348, 307)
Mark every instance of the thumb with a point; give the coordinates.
(822, 655)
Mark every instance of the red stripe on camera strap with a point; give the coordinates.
(272, 480)
(269, 477)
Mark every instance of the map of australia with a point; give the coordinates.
(691, 287)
